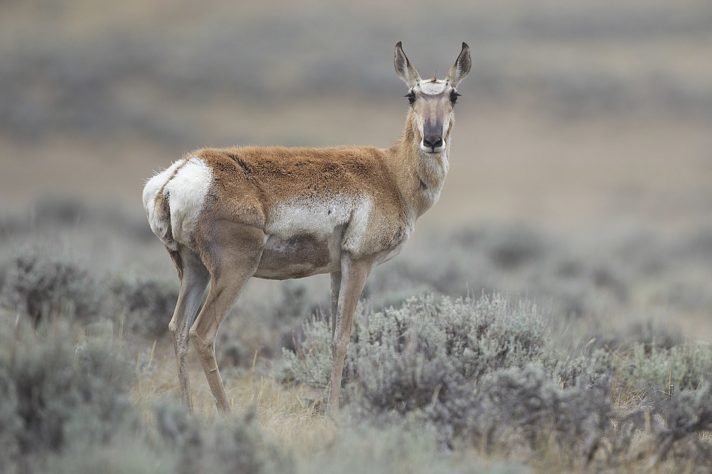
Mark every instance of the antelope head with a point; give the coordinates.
(432, 101)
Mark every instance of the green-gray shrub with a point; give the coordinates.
(426, 337)
(523, 408)
(310, 363)
(146, 304)
(45, 287)
(126, 454)
(408, 358)
(490, 373)
(686, 415)
(666, 370)
(397, 448)
(60, 401)
(10, 422)
(431, 355)
(55, 394)
(222, 446)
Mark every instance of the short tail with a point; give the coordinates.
(157, 204)
(174, 199)
(162, 214)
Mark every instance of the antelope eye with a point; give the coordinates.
(411, 97)
(453, 96)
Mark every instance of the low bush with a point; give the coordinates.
(146, 304)
(311, 360)
(421, 353)
(43, 288)
(656, 370)
(524, 409)
(423, 341)
(489, 373)
(687, 416)
(55, 394)
(224, 446)
(398, 448)
(67, 406)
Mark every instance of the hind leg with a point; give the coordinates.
(193, 281)
(233, 255)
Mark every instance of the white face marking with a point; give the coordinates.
(432, 88)
(186, 193)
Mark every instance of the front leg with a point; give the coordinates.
(353, 278)
(335, 287)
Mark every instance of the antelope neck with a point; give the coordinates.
(419, 176)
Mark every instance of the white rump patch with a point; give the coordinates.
(186, 190)
(433, 88)
(186, 196)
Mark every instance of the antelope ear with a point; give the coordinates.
(404, 68)
(461, 68)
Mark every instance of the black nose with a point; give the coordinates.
(432, 141)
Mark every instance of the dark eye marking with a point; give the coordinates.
(453, 96)
(411, 97)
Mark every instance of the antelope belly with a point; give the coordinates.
(298, 256)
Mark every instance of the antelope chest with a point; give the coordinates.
(308, 236)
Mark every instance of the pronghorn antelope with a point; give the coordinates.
(226, 215)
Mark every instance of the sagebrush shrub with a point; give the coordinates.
(126, 454)
(519, 408)
(45, 287)
(584, 367)
(310, 362)
(222, 446)
(687, 415)
(58, 393)
(490, 373)
(425, 337)
(65, 407)
(146, 304)
(397, 448)
(666, 370)
(406, 358)
(10, 422)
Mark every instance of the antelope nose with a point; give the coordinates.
(432, 141)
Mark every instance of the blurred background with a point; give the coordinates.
(582, 137)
